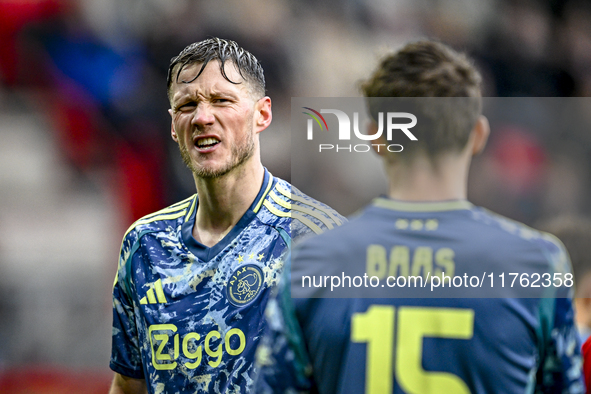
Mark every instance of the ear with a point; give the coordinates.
(379, 145)
(262, 114)
(175, 138)
(480, 134)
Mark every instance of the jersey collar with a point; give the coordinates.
(426, 206)
(206, 253)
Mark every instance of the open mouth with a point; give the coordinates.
(208, 142)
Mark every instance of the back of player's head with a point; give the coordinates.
(203, 52)
(429, 69)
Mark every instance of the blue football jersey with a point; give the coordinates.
(424, 345)
(187, 318)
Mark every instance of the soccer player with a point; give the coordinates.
(193, 279)
(424, 225)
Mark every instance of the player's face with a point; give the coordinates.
(212, 119)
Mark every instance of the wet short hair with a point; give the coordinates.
(203, 52)
(429, 69)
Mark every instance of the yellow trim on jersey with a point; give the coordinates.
(156, 215)
(314, 204)
(260, 203)
(192, 208)
(295, 207)
(172, 208)
(293, 215)
(422, 206)
(163, 217)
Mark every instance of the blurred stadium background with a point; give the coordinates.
(85, 147)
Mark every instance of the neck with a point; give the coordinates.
(224, 200)
(425, 180)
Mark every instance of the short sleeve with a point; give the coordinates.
(560, 366)
(281, 358)
(560, 369)
(125, 350)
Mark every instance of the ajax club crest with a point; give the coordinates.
(245, 284)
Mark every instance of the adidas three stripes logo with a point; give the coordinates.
(155, 295)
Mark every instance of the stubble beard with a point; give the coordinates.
(240, 153)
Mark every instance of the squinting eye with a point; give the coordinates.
(186, 107)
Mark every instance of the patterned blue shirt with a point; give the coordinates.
(187, 318)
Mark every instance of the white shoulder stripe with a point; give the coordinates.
(293, 215)
(295, 207)
(314, 204)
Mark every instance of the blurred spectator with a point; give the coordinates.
(521, 54)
